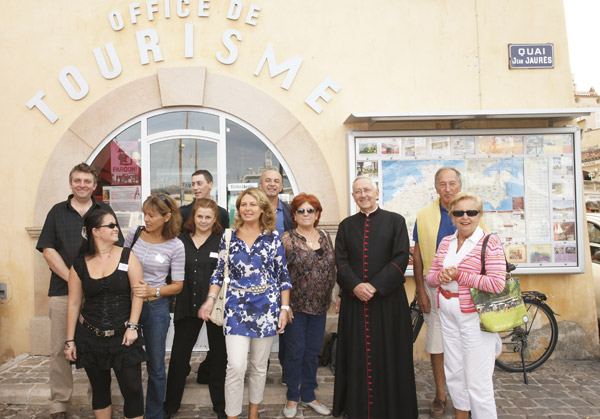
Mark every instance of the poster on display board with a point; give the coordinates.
(528, 179)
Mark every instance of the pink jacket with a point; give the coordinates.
(469, 271)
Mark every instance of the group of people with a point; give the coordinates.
(108, 308)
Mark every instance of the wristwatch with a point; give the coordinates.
(286, 308)
(157, 292)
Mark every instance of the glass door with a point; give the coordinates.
(172, 162)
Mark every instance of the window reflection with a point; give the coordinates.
(183, 120)
(172, 163)
(119, 176)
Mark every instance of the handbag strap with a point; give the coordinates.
(509, 266)
(136, 236)
(227, 243)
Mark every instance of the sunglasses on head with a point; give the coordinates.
(309, 211)
(111, 225)
(470, 213)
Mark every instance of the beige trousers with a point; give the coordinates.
(61, 377)
(237, 360)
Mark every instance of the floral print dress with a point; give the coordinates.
(246, 313)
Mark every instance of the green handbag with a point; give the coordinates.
(505, 310)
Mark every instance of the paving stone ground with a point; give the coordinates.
(558, 389)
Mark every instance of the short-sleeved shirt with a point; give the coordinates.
(62, 232)
(246, 313)
(446, 227)
(159, 259)
(200, 262)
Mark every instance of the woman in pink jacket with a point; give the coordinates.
(469, 353)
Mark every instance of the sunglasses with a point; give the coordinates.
(111, 225)
(302, 210)
(470, 213)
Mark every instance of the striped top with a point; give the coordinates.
(159, 259)
(469, 270)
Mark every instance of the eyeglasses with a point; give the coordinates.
(111, 225)
(302, 210)
(365, 191)
(470, 213)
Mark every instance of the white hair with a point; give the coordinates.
(365, 177)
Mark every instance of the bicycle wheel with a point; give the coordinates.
(538, 339)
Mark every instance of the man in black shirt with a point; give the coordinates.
(202, 184)
(59, 242)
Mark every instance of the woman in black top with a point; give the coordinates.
(103, 334)
(201, 241)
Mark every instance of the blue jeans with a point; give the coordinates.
(155, 320)
(304, 337)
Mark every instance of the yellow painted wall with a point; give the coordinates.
(387, 56)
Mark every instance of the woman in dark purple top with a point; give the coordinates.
(311, 264)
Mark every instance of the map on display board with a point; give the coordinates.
(527, 184)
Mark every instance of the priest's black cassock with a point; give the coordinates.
(374, 363)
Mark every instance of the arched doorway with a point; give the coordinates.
(168, 89)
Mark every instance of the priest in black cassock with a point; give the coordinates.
(375, 376)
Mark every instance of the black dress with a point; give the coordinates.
(374, 371)
(107, 306)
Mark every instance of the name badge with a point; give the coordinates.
(123, 267)
(159, 258)
(214, 255)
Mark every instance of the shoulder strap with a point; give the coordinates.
(509, 266)
(483, 248)
(125, 255)
(227, 243)
(136, 236)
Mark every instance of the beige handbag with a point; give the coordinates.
(218, 312)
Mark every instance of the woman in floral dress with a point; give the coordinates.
(257, 301)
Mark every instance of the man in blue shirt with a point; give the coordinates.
(427, 236)
(271, 183)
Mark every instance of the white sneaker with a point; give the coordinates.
(321, 409)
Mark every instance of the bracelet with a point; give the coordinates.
(132, 326)
(69, 346)
(286, 308)
(211, 295)
(69, 340)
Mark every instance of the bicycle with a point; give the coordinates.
(525, 347)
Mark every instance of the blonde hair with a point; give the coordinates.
(267, 219)
(164, 204)
(466, 195)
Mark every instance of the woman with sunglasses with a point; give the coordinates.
(469, 352)
(311, 264)
(103, 334)
(160, 252)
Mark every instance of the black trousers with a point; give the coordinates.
(187, 330)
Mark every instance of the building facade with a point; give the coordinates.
(149, 91)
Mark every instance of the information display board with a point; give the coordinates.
(529, 180)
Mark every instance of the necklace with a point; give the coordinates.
(308, 239)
